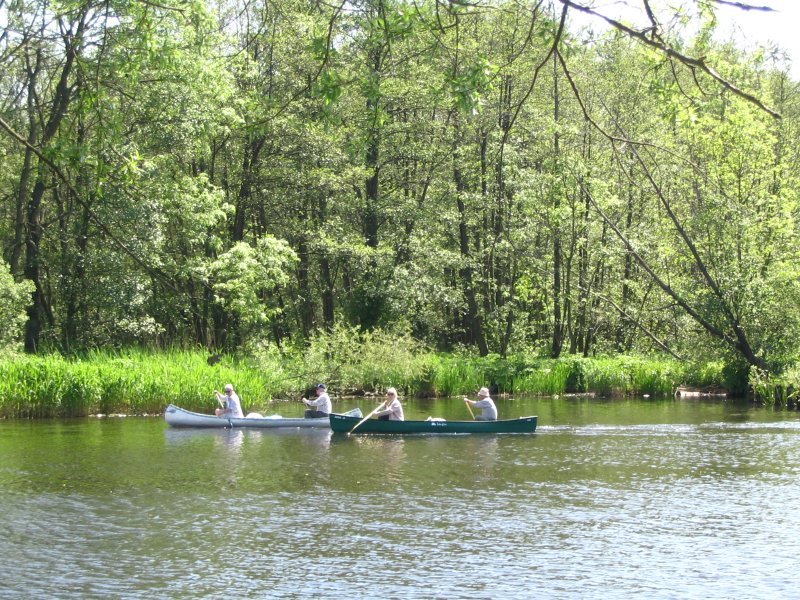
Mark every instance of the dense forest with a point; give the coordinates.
(482, 176)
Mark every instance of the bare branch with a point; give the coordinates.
(707, 325)
(656, 43)
(161, 6)
(743, 6)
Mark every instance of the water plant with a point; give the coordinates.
(137, 381)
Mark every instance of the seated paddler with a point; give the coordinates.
(231, 406)
(392, 409)
(320, 406)
(486, 404)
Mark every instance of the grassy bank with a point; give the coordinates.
(132, 382)
(140, 382)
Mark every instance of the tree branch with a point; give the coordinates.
(656, 43)
(153, 271)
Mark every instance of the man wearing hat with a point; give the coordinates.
(231, 405)
(322, 404)
(486, 404)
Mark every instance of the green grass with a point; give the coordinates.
(130, 382)
(136, 381)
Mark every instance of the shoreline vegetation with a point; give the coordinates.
(139, 382)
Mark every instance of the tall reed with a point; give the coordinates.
(131, 382)
(137, 381)
(776, 389)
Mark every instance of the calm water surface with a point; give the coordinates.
(609, 499)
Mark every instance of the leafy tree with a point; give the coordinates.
(13, 303)
(483, 176)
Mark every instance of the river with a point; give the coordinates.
(609, 499)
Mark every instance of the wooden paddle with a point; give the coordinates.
(377, 408)
(220, 402)
(469, 408)
(223, 407)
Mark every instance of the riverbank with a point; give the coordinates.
(142, 382)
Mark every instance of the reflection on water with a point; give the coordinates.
(231, 438)
(484, 453)
(629, 499)
(387, 453)
(237, 436)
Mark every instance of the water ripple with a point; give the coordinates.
(592, 510)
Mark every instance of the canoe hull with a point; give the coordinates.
(179, 417)
(343, 424)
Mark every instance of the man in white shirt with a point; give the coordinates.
(321, 405)
(486, 404)
(232, 406)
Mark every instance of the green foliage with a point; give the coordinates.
(243, 275)
(348, 360)
(328, 86)
(356, 360)
(735, 375)
(265, 175)
(458, 375)
(13, 301)
(612, 376)
(776, 389)
(469, 87)
(543, 377)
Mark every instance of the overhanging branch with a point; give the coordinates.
(655, 42)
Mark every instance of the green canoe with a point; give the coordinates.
(344, 424)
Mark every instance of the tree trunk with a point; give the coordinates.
(558, 324)
(371, 300)
(250, 162)
(304, 288)
(35, 231)
(328, 284)
(15, 255)
(473, 321)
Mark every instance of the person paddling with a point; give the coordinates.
(393, 410)
(231, 405)
(321, 406)
(486, 404)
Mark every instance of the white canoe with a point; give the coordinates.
(179, 417)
